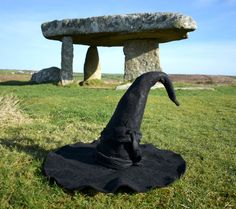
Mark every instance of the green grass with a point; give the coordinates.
(202, 130)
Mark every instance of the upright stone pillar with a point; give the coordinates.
(140, 56)
(66, 74)
(92, 69)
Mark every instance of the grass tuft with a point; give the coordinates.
(10, 111)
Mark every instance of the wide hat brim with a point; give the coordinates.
(74, 167)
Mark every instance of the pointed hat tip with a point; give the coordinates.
(176, 102)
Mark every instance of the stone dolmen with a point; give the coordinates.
(139, 34)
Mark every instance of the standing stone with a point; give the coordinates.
(141, 56)
(92, 69)
(66, 60)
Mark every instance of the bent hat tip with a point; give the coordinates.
(176, 102)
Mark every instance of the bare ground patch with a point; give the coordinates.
(203, 79)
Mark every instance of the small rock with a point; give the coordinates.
(127, 85)
(158, 85)
(47, 75)
(123, 86)
(195, 88)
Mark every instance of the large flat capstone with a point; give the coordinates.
(115, 30)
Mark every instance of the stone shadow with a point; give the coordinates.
(23, 83)
(15, 83)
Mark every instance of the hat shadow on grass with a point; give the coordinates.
(36, 151)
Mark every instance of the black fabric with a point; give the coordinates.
(112, 162)
(117, 159)
(116, 137)
(130, 109)
(74, 167)
(121, 136)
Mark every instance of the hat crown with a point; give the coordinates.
(119, 148)
(119, 142)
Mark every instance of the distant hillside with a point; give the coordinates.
(6, 75)
(203, 79)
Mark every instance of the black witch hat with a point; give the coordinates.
(117, 159)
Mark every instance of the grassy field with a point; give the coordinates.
(35, 119)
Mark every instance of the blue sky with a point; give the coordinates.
(211, 49)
